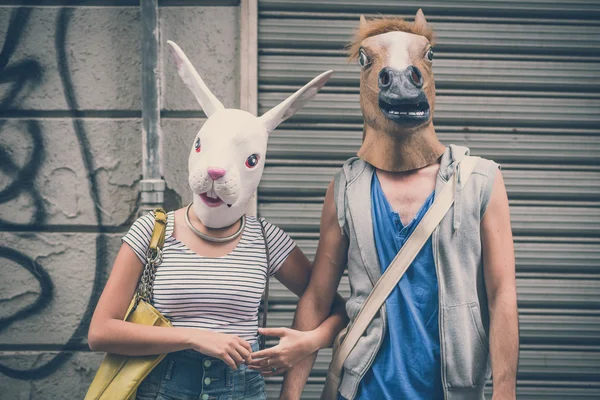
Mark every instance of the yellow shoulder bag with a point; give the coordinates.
(119, 376)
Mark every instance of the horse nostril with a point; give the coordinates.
(416, 77)
(384, 78)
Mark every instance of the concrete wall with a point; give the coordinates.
(70, 165)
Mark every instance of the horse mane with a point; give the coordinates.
(378, 26)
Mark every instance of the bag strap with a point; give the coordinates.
(265, 299)
(153, 257)
(157, 240)
(390, 278)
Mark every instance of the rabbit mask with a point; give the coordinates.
(227, 157)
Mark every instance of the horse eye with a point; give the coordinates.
(252, 161)
(197, 145)
(429, 54)
(363, 58)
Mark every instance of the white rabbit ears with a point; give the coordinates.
(210, 104)
(295, 102)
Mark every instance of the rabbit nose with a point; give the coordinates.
(216, 173)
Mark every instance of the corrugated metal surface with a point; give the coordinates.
(533, 291)
(551, 76)
(558, 364)
(516, 37)
(536, 325)
(523, 182)
(492, 109)
(587, 9)
(527, 219)
(517, 82)
(533, 254)
(321, 143)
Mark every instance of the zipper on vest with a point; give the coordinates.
(379, 343)
(383, 320)
(436, 254)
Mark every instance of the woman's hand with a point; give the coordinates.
(293, 347)
(233, 350)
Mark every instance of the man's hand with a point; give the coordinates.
(293, 347)
(316, 303)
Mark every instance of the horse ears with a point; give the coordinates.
(295, 102)
(209, 103)
(420, 19)
(363, 21)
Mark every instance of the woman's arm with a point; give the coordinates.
(108, 332)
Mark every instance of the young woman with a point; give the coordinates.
(214, 266)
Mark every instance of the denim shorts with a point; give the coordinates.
(189, 375)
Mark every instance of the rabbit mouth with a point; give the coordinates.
(211, 199)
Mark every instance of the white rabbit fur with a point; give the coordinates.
(224, 166)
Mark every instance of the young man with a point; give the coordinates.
(455, 309)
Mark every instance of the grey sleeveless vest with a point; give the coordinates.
(463, 315)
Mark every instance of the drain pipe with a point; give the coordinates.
(152, 185)
(249, 69)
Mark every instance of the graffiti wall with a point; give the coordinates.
(70, 165)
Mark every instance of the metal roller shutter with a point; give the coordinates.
(517, 82)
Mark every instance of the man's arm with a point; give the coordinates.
(500, 282)
(295, 345)
(315, 304)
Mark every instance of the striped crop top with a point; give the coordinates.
(221, 294)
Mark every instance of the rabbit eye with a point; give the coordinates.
(197, 145)
(252, 161)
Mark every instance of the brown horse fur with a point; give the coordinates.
(386, 145)
(378, 26)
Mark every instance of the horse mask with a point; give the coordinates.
(397, 93)
(227, 157)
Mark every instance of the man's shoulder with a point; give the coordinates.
(351, 168)
(486, 167)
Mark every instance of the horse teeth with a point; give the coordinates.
(411, 113)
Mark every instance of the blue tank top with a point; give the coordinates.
(407, 365)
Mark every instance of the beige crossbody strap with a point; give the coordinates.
(394, 272)
(265, 298)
